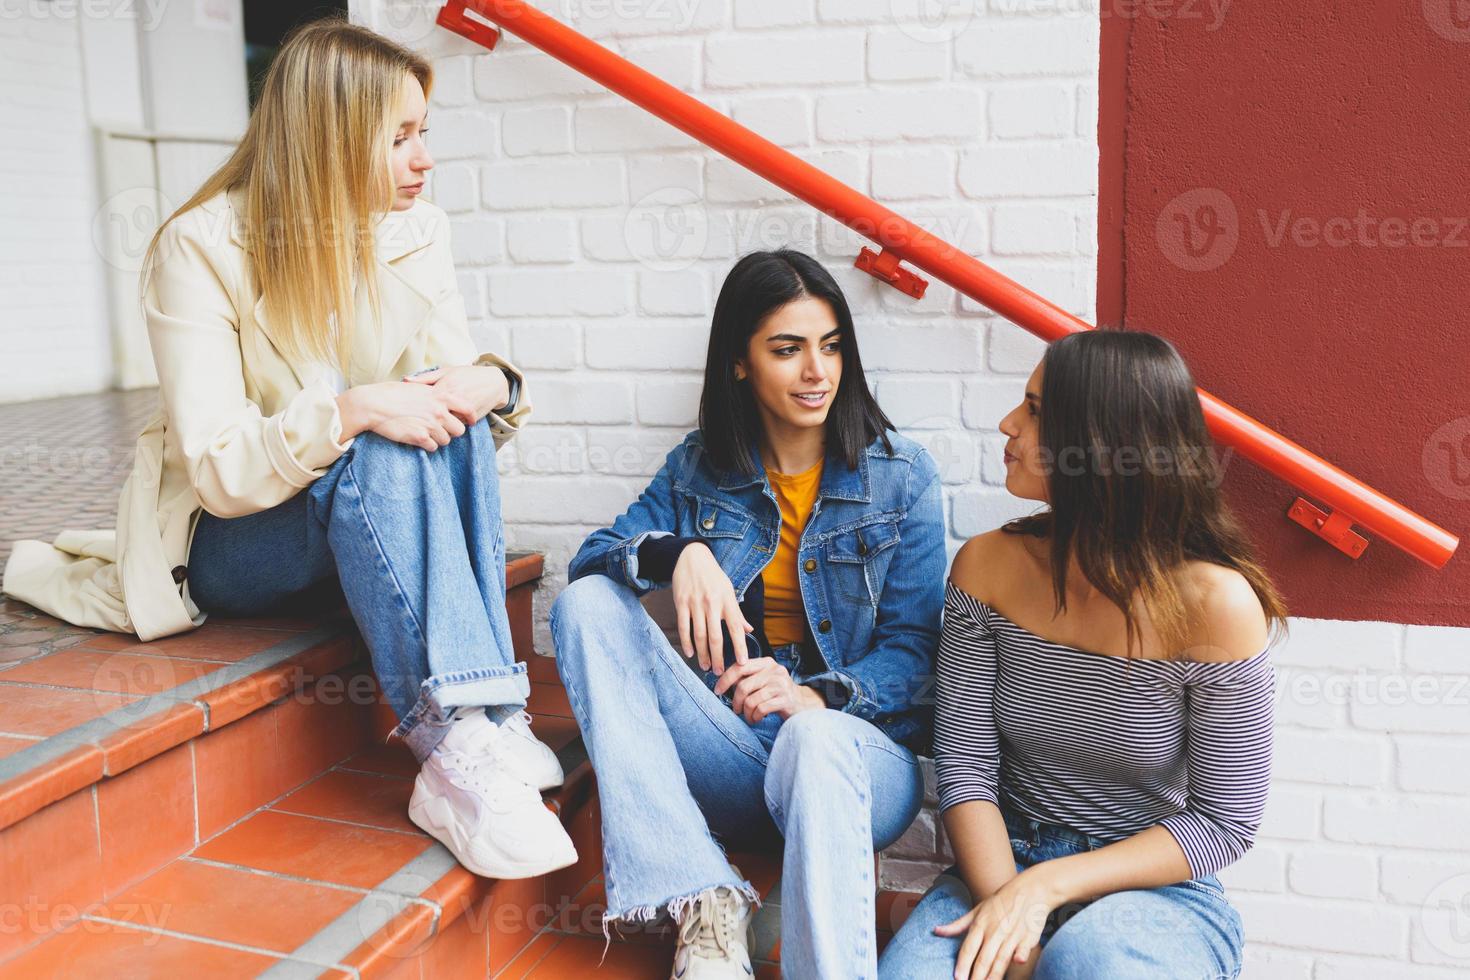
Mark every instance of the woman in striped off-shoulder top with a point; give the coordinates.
(1104, 696)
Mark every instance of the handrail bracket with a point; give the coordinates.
(887, 267)
(452, 17)
(1334, 527)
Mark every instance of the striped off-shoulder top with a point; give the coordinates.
(1105, 745)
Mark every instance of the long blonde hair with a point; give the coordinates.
(315, 165)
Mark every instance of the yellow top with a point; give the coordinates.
(785, 613)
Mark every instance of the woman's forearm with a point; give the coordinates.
(356, 413)
(982, 846)
(1150, 858)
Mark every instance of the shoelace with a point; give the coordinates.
(470, 762)
(709, 928)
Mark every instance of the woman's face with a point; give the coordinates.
(410, 159)
(793, 364)
(1025, 472)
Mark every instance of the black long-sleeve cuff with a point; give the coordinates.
(658, 556)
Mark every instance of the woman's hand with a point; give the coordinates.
(763, 686)
(474, 390)
(415, 415)
(1001, 932)
(703, 598)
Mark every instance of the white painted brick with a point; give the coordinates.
(783, 120)
(1398, 821)
(544, 238)
(1341, 644)
(661, 239)
(755, 14)
(540, 129)
(759, 60)
(1353, 927)
(1407, 702)
(603, 129)
(662, 173)
(992, 459)
(1033, 229)
(1364, 968)
(919, 403)
(896, 345)
(571, 183)
(683, 293)
(534, 292)
(914, 174)
(1065, 46)
(462, 134)
(570, 399)
(669, 402)
(472, 290)
(899, 56)
(1310, 698)
(643, 346)
(1087, 111)
(878, 115)
(1031, 111)
(557, 499)
(1060, 281)
(1334, 873)
(1055, 168)
(476, 241)
(988, 400)
(1262, 962)
(955, 453)
(1339, 760)
(632, 18)
(516, 71)
(976, 511)
(551, 450)
(1014, 350)
(1444, 649)
(1410, 878)
(545, 346)
(1292, 812)
(453, 84)
(1432, 764)
(1260, 869)
(630, 452)
(452, 187)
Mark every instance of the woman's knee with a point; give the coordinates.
(915, 951)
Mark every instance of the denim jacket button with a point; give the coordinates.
(708, 523)
(825, 626)
(810, 564)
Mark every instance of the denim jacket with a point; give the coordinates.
(872, 562)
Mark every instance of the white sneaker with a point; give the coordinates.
(714, 938)
(531, 758)
(469, 798)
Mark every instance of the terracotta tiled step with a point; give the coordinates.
(87, 815)
(327, 879)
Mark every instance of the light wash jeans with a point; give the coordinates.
(1184, 931)
(680, 774)
(413, 540)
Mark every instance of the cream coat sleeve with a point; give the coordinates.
(238, 461)
(450, 342)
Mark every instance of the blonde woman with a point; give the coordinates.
(327, 428)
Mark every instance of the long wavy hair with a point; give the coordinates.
(315, 165)
(1133, 520)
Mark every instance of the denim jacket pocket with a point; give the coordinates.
(859, 557)
(720, 526)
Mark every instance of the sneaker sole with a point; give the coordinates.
(420, 811)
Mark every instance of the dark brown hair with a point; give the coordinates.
(1133, 480)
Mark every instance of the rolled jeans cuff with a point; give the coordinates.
(501, 691)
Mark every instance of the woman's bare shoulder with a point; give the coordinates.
(986, 561)
(1232, 623)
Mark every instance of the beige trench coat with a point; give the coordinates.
(239, 428)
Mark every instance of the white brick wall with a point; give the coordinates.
(592, 241)
(53, 319)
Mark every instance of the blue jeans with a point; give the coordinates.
(1184, 931)
(413, 540)
(680, 774)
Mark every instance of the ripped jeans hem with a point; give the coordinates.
(675, 907)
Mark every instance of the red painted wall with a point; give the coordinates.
(1285, 195)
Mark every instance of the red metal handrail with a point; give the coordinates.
(1350, 501)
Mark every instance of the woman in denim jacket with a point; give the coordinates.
(795, 520)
